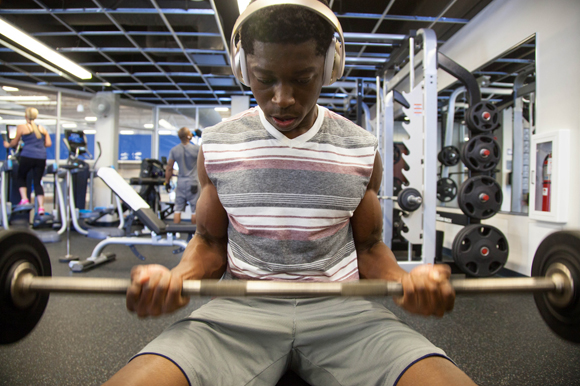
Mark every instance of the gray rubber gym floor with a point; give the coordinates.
(84, 340)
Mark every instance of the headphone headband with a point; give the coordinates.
(238, 63)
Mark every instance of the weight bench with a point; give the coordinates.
(144, 213)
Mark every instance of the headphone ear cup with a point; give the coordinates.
(243, 68)
(239, 65)
(338, 67)
(332, 62)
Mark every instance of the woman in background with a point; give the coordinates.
(32, 156)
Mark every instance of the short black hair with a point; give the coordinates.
(287, 24)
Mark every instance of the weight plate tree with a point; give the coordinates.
(449, 156)
(446, 189)
(480, 197)
(480, 250)
(482, 117)
(26, 282)
(481, 153)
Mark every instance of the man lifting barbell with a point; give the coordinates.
(288, 192)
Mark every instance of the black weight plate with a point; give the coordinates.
(449, 156)
(481, 153)
(560, 247)
(20, 246)
(402, 199)
(480, 250)
(482, 117)
(480, 197)
(446, 189)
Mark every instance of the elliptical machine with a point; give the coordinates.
(19, 215)
(78, 172)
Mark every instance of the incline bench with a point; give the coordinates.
(144, 213)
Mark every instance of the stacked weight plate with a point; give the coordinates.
(480, 250)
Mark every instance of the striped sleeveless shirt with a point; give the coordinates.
(289, 201)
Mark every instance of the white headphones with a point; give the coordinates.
(334, 61)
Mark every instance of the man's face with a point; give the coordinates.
(286, 80)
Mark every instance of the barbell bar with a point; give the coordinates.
(25, 281)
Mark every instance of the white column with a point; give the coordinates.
(107, 134)
(155, 135)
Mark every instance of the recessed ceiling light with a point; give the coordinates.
(126, 132)
(91, 119)
(164, 132)
(221, 109)
(9, 89)
(69, 125)
(90, 131)
(148, 125)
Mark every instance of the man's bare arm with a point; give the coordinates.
(375, 259)
(426, 288)
(155, 289)
(205, 256)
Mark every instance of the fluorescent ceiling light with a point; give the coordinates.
(165, 132)
(91, 119)
(242, 5)
(222, 109)
(69, 125)
(24, 98)
(43, 51)
(166, 125)
(0, 118)
(148, 125)
(90, 131)
(38, 103)
(9, 89)
(126, 132)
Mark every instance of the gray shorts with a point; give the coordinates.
(184, 194)
(327, 341)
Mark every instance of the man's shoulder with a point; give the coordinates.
(242, 127)
(243, 121)
(339, 126)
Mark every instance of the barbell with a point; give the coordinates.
(25, 282)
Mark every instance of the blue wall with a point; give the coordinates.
(134, 147)
(166, 143)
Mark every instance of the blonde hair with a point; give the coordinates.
(30, 114)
